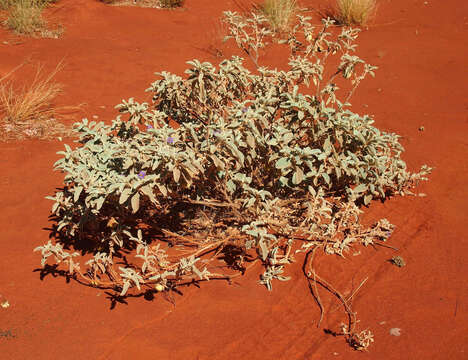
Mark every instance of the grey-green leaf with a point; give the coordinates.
(135, 202)
(282, 163)
(77, 193)
(176, 174)
(124, 195)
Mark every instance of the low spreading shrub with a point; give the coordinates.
(253, 171)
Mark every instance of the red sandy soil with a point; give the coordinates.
(111, 54)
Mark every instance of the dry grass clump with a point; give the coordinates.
(5, 4)
(280, 13)
(352, 12)
(25, 17)
(29, 111)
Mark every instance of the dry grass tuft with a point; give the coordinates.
(5, 4)
(280, 13)
(351, 12)
(29, 111)
(25, 16)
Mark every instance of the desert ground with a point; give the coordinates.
(110, 53)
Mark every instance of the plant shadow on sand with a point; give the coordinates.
(88, 242)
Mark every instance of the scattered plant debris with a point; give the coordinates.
(398, 261)
(147, 3)
(7, 334)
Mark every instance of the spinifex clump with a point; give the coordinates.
(254, 166)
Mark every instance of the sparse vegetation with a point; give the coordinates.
(280, 13)
(28, 110)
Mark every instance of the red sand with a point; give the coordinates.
(110, 54)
